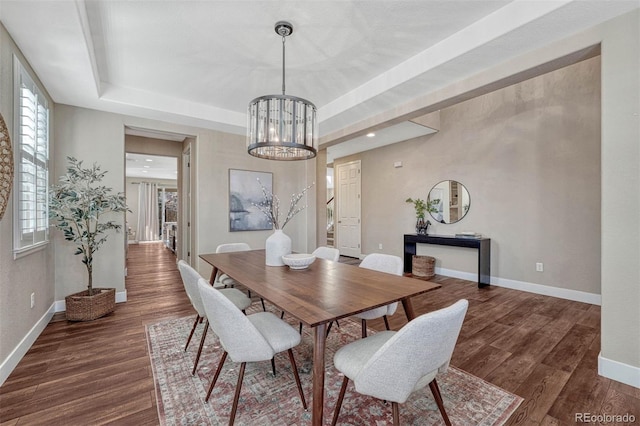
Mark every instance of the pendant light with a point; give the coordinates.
(282, 127)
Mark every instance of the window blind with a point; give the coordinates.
(31, 221)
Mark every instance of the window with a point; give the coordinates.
(31, 214)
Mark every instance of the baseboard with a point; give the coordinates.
(614, 370)
(545, 290)
(121, 296)
(10, 363)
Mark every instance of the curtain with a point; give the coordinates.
(148, 226)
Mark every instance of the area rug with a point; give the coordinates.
(268, 400)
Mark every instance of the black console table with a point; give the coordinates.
(482, 244)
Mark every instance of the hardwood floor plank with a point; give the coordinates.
(540, 390)
(98, 372)
(570, 350)
(484, 361)
(620, 404)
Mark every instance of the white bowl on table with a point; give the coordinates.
(298, 260)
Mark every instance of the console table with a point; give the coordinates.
(483, 245)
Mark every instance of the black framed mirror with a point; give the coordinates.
(450, 201)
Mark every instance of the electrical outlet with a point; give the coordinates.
(539, 267)
(380, 246)
(33, 300)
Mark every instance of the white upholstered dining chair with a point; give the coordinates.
(190, 279)
(329, 253)
(223, 280)
(251, 338)
(383, 263)
(391, 365)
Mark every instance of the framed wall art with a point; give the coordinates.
(244, 192)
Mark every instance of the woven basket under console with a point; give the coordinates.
(423, 266)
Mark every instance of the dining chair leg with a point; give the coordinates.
(195, 324)
(435, 390)
(215, 376)
(329, 329)
(261, 301)
(234, 408)
(386, 322)
(300, 328)
(396, 413)
(204, 335)
(336, 412)
(297, 376)
(273, 366)
(364, 328)
(282, 315)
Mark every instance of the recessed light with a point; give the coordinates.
(146, 167)
(370, 135)
(148, 159)
(145, 171)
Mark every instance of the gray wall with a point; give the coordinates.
(618, 42)
(32, 273)
(529, 154)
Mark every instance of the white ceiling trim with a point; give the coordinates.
(88, 39)
(499, 23)
(67, 51)
(383, 137)
(167, 104)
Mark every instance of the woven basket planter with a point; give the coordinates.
(423, 266)
(82, 307)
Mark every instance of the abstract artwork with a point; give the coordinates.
(244, 192)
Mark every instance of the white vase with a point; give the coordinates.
(276, 246)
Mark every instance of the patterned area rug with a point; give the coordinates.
(268, 400)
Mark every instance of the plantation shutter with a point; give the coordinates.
(32, 177)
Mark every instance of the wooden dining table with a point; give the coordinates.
(324, 292)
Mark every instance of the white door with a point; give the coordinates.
(348, 208)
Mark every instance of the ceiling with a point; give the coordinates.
(146, 166)
(201, 62)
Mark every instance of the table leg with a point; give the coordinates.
(408, 308)
(318, 374)
(212, 280)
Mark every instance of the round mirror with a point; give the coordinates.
(448, 201)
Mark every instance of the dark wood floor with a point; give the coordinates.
(541, 348)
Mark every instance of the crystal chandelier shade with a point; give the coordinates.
(282, 127)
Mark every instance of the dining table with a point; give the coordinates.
(324, 292)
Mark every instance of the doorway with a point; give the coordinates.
(155, 159)
(152, 196)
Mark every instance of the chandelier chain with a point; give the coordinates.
(283, 55)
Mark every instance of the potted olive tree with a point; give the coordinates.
(77, 206)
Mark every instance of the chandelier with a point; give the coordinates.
(282, 127)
